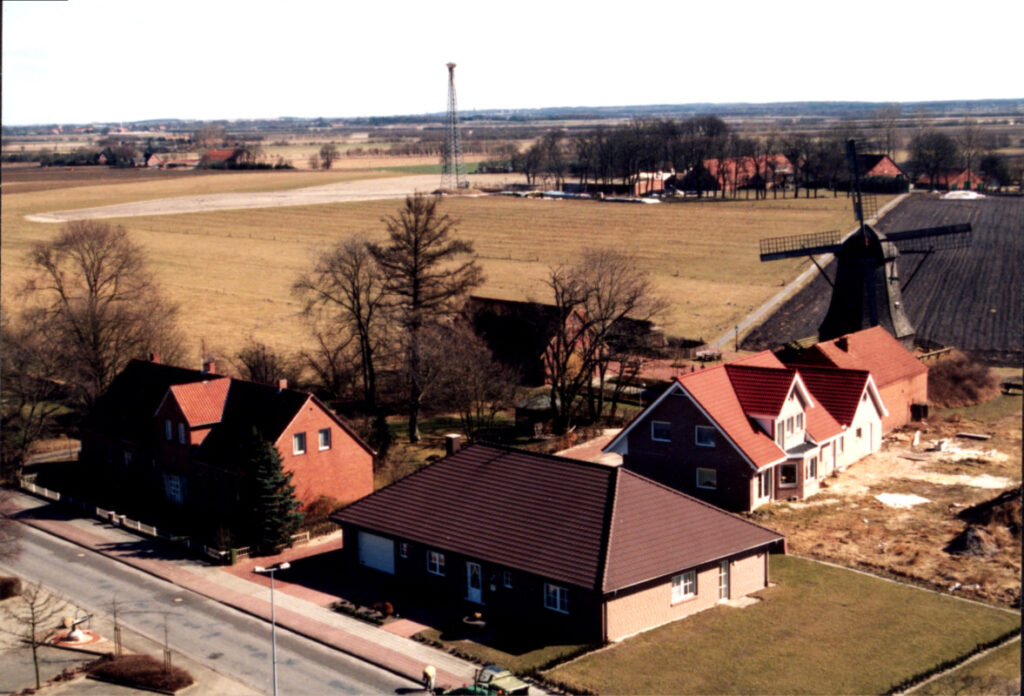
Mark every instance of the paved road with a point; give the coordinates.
(222, 638)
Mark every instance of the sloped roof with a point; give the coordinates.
(873, 349)
(838, 390)
(202, 403)
(126, 409)
(598, 527)
(761, 391)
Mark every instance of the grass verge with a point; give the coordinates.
(820, 630)
(994, 674)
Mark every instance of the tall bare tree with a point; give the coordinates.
(887, 122)
(427, 273)
(98, 299)
(347, 290)
(593, 298)
(31, 617)
(260, 363)
(30, 392)
(328, 153)
(971, 142)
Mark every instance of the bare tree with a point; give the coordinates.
(258, 362)
(30, 392)
(97, 298)
(468, 378)
(328, 153)
(887, 121)
(972, 144)
(593, 297)
(347, 292)
(31, 617)
(427, 273)
(933, 153)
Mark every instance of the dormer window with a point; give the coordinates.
(799, 421)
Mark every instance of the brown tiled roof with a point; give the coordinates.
(874, 350)
(839, 391)
(598, 527)
(657, 531)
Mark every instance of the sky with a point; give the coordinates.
(89, 61)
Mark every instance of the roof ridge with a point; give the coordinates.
(609, 526)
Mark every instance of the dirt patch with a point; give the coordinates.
(962, 534)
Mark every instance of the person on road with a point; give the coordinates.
(429, 676)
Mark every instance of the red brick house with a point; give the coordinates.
(173, 434)
(952, 180)
(879, 166)
(745, 433)
(902, 379)
(562, 545)
(735, 173)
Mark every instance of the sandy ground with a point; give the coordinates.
(338, 192)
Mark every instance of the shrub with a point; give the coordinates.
(9, 587)
(958, 380)
(140, 670)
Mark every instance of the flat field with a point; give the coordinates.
(232, 270)
(820, 630)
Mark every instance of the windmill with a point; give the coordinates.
(867, 290)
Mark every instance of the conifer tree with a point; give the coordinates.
(273, 509)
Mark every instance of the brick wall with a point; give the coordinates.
(343, 472)
(898, 397)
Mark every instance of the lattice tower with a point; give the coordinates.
(453, 168)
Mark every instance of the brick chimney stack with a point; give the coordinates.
(282, 384)
(210, 366)
(154, 358)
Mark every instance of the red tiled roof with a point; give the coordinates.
(220, 155)
(593, 526)
(714, 393)
(839, 391)
(874, 350)
(202, 403)
(761, 391)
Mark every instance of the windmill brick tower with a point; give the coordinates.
(453, 168)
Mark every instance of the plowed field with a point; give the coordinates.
(969, 298)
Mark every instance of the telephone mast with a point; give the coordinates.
(453, 169)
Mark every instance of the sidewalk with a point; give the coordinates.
(298, 609)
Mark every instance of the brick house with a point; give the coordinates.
(734, 173)
(901, 378)
(746, 433)
(173, 434)
(879, 166)
(557, 544)
(952, 180)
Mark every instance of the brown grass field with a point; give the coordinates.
(231, 271)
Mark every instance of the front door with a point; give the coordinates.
(474, 583)
(723, 580)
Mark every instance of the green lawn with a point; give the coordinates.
(1000, 407)
(820, 630)
(995, 674)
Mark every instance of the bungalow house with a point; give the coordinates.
(745, 433)
(901, 379)
(172, 435)
(561, 545)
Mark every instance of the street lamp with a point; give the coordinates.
(273, 623)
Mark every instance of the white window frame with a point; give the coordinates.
(714, 478)
(684, 586)
(181, 433)
(789, 425)
(299, 443)
(796, 475)
(323, 439)
(556, 598)
(799, 421)
(812, 468)
(174, 491)
(764, 484)
(708, 432)
(667, 425)
(435, 563)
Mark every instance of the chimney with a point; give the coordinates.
(282, 384)
(210, 366)
(452, 443)
(154, 358)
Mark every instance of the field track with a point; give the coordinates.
(972, 299)
(338, 192)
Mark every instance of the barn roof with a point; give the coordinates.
(873, 349)
(598, 527)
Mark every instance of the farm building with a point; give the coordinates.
(224, 158)
(878, 167)
(560, 545)
(766, 171)
(746, 433)
(901, 378)
(952, 180)
(173, 434)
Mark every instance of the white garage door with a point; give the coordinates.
(377, 552)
